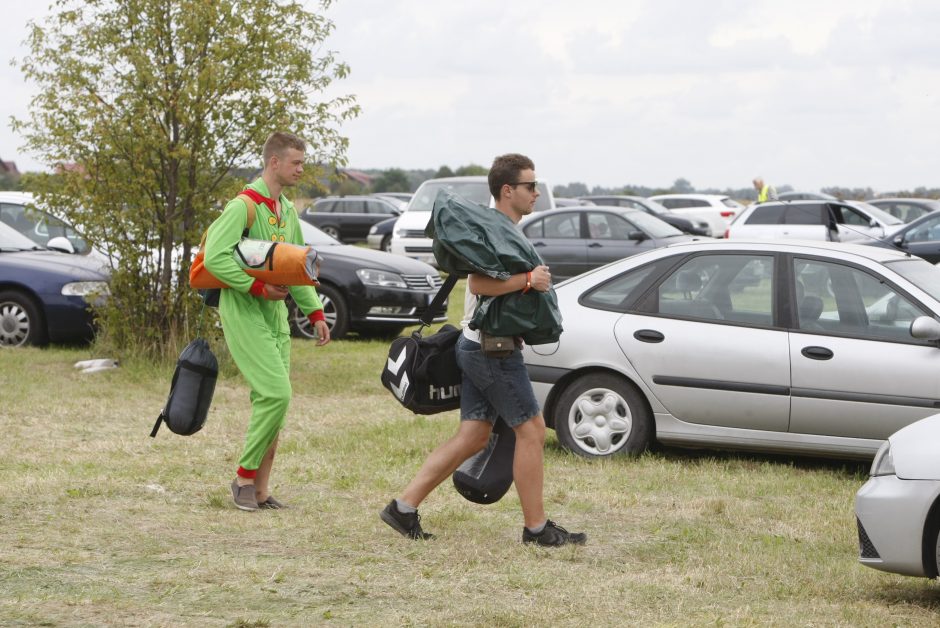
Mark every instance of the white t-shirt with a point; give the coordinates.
(469, 307)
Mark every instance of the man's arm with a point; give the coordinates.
(224, 234)
(539, 278)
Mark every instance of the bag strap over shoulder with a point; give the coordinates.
(251, 205)
(442, 293)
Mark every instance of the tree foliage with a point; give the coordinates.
(391, 180)
(145, 108)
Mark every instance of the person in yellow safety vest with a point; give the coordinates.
(765, 192)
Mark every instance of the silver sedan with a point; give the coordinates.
(898, 509)
(793, 347)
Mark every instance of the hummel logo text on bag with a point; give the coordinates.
(422, 373)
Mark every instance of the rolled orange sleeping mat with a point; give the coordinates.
(278, 263)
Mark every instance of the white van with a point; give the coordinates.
(408, 236)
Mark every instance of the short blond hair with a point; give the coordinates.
(278, 142)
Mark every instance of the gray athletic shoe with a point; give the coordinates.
(244, 496)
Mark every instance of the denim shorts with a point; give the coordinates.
(494, 387)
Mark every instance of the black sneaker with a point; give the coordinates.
(553, 536)
(407, 523)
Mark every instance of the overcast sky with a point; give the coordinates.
(810, 93)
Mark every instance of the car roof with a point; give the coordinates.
(873, 253)
(10, 196)
(616, 209)
(457, 179)
(626, 196)
(901, 199)
(696, 196)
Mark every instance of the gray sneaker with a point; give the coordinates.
(244, 496)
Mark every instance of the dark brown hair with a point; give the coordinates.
(505, 170)
(278, 142)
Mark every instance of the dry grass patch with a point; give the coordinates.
(103, 525)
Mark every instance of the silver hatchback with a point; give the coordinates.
(793, 347)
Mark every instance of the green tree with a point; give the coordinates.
(145, 108)
(443, 172)
(471, 170)
(391, 180)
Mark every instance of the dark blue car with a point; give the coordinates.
(45, 294)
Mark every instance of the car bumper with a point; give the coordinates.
(891, 514)
(394, 306)
(375, 241)
(68, 318)
(415, 248)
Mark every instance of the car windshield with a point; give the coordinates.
(13, 240)
(656, 206)
(880, 214)
(730, 202)
(652, 225)
(921, 273)
(423, 200)
(314, 237)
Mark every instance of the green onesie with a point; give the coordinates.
(256, 329)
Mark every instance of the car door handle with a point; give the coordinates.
(594, 245)
(817, 353)
(648, 335)
(538, 244)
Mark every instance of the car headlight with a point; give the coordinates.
(372, 230)
(86, 288)
(381, 278)
(884, 461)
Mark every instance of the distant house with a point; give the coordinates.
(9, 167)
(356, 175)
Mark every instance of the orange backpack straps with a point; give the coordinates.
(251, 205)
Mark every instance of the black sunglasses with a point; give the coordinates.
(529, 184)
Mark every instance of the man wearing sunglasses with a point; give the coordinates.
(494, 387)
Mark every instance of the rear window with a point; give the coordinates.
(766, 215)
(475, 191)
(805, 215)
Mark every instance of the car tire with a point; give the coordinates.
(330, 230)
(387, 243)
(600, 415)
(334, 309)
(21, 321)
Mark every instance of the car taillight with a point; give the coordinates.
(727, 231)
(727, 214)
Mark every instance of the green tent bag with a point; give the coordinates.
(470, 238)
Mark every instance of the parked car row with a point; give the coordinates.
(45, 294)
(768, 346)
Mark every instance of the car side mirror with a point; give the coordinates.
(925, 328)
(59, 243)
(639, 236)
(899, 241)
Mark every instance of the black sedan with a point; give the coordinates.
(920, 237)
(907, 209)
(380, 235)
(692, 226)
(45, 294)
(573, 240)
(366, 291)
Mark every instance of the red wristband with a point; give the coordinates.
(528, 282)
(257, 288)
(316, 315)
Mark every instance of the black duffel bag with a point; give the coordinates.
(422, 372)
(486, 476)
(191, 390)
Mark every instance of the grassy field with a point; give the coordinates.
(103, 525)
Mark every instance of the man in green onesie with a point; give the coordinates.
(254, 317)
